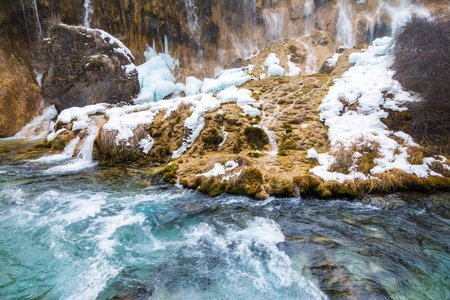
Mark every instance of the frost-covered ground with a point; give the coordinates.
(369, 88)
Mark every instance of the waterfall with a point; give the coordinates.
(310, 18)
(38, 23)
(26, 22)
(311, 67)
(344, 26)
(83, 159)
(87, 13)
(192, 18)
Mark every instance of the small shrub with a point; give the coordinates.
(421, 61)
(256, 137)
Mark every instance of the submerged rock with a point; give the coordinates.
(87, 66)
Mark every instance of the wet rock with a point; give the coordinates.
(385, 202)
(87, 66)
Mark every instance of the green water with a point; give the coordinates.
(99, 233)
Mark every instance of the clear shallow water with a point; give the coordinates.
(101, 233)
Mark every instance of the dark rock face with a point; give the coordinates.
(87, 66)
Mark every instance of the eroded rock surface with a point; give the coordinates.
(87, 66)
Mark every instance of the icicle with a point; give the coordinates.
(38, 23)
(166, 45)
(87, 13)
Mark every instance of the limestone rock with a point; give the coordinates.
(19, 95)
(87, 66)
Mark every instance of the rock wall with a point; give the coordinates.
(204, 35)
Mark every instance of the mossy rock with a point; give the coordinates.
(287, 127)
(212, 138)
(254, 154)
(289, 142)
(4, 150)
(58, 144)
(256, 137)
(306, 183)
(169, 173)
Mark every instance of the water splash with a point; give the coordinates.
(83, 159)
(40, 126)
(88, 11)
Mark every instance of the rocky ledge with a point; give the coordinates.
(265, 137)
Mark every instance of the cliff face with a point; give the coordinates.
(204, 35)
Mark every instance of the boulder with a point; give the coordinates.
(87, 66)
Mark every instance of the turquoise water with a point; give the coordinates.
(100, 233)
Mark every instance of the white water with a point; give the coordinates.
(311, 63)
(87, 13)
(40, 126)
(65, 155)
(344, 25)
(310, 17)
(83, 159)
(38, 23)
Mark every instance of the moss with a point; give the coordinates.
(59, 125)
(282, 188)
(169, 173)
(4, 150)
(218, 190)
(212, 138)
(282, 153)
(58, 144)
(287, 127)
(431, 183)
(107, 160)
(43, 145)
(256, 137)
(254, 154)
(306, 183)
(289, 142)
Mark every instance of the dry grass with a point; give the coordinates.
(343, 160)
(416, 155)
(122, 151)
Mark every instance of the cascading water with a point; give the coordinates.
(83, 159)
(310, 17)
(311, 64)
(25, 18)
(38, 23)
(87, 13)
(192, 17)
(344, 28)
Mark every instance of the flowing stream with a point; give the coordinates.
(97, 233)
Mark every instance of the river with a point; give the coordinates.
(99, 232)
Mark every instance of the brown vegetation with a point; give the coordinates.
(422, 65)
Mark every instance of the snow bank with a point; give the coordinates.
(368, 87)
(226, 78)
(220, 169)
(273, 65)
(243, 99)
